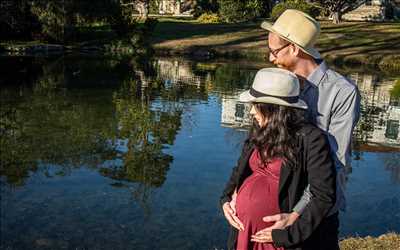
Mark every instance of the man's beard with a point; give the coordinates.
(282, 66)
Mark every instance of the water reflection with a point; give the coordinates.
(62, 120)
(165, 131)
(378, 128)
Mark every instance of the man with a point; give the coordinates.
(333, 103)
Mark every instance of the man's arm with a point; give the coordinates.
(345, 115)
(284, 220)
(321, 177)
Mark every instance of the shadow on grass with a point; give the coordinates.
(388, 44)
(168, 30)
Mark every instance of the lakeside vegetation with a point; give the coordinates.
(389, 241)
(349, 42)
(226, 28)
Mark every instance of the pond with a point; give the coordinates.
(127, 153)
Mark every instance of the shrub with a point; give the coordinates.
(52, 20)
(254, 8)
(395, 91)
(311, 9)
(149, 26)
(233, 11)
(209, 18)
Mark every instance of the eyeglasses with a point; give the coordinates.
(275, 52)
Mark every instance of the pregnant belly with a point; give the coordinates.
(257, 198)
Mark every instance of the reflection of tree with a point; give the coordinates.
(46, 124)
(146, 130)
(391, 163)
(230, 77)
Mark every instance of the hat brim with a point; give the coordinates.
(247, 97)
(310, 51)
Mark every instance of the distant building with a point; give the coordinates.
(176, 7)
(379, 124)
(234, 114)
(177, 71)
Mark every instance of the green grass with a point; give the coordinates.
(350, 42)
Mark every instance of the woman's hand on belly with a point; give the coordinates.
(230, 214)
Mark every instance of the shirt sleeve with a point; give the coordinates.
(344, 117)
(303, 202)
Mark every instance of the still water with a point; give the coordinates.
(106, 153)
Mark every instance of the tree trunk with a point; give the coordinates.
(146, 9)
(336, 17)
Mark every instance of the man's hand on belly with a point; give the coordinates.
(282, 221)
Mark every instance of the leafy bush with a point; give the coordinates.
(395, 92)
(233, 11)
(205, 6)
(254, 8)
(209, 18)
(311, 9)
(52, 19)
(149, 26)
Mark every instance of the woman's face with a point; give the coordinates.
(258, 116)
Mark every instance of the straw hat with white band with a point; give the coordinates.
(275, 86)
(298, 28)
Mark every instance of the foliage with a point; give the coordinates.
(254, 8)
(16, 20)
(209, 18)
(233, 11)
(395, 92)
(67, 117)
(154, 6)
(52, 20)
(51, 16)
(206, 6)
(301, 5)
(335, 8)
(230, 77)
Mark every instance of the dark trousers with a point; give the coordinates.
(326, 237)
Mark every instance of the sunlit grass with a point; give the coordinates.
(352, 42)
(389, 241)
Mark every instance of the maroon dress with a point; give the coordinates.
(257, 198)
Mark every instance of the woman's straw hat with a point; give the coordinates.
(298, 28)
(275, 86)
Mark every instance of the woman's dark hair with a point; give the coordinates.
(277, 138)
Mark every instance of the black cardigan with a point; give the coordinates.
(313, 166)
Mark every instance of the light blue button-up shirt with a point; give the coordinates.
(334, 106)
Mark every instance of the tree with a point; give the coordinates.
(234, 11)
(142, 6)
(336, 8)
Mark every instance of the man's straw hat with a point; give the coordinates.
(298, 28)
(275, 86)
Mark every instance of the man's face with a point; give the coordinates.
(279, 52)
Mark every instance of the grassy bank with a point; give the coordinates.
(389, 241)
(348, 43)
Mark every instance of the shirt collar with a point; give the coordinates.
(316, 76)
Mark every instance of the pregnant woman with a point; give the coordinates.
(282, 155)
